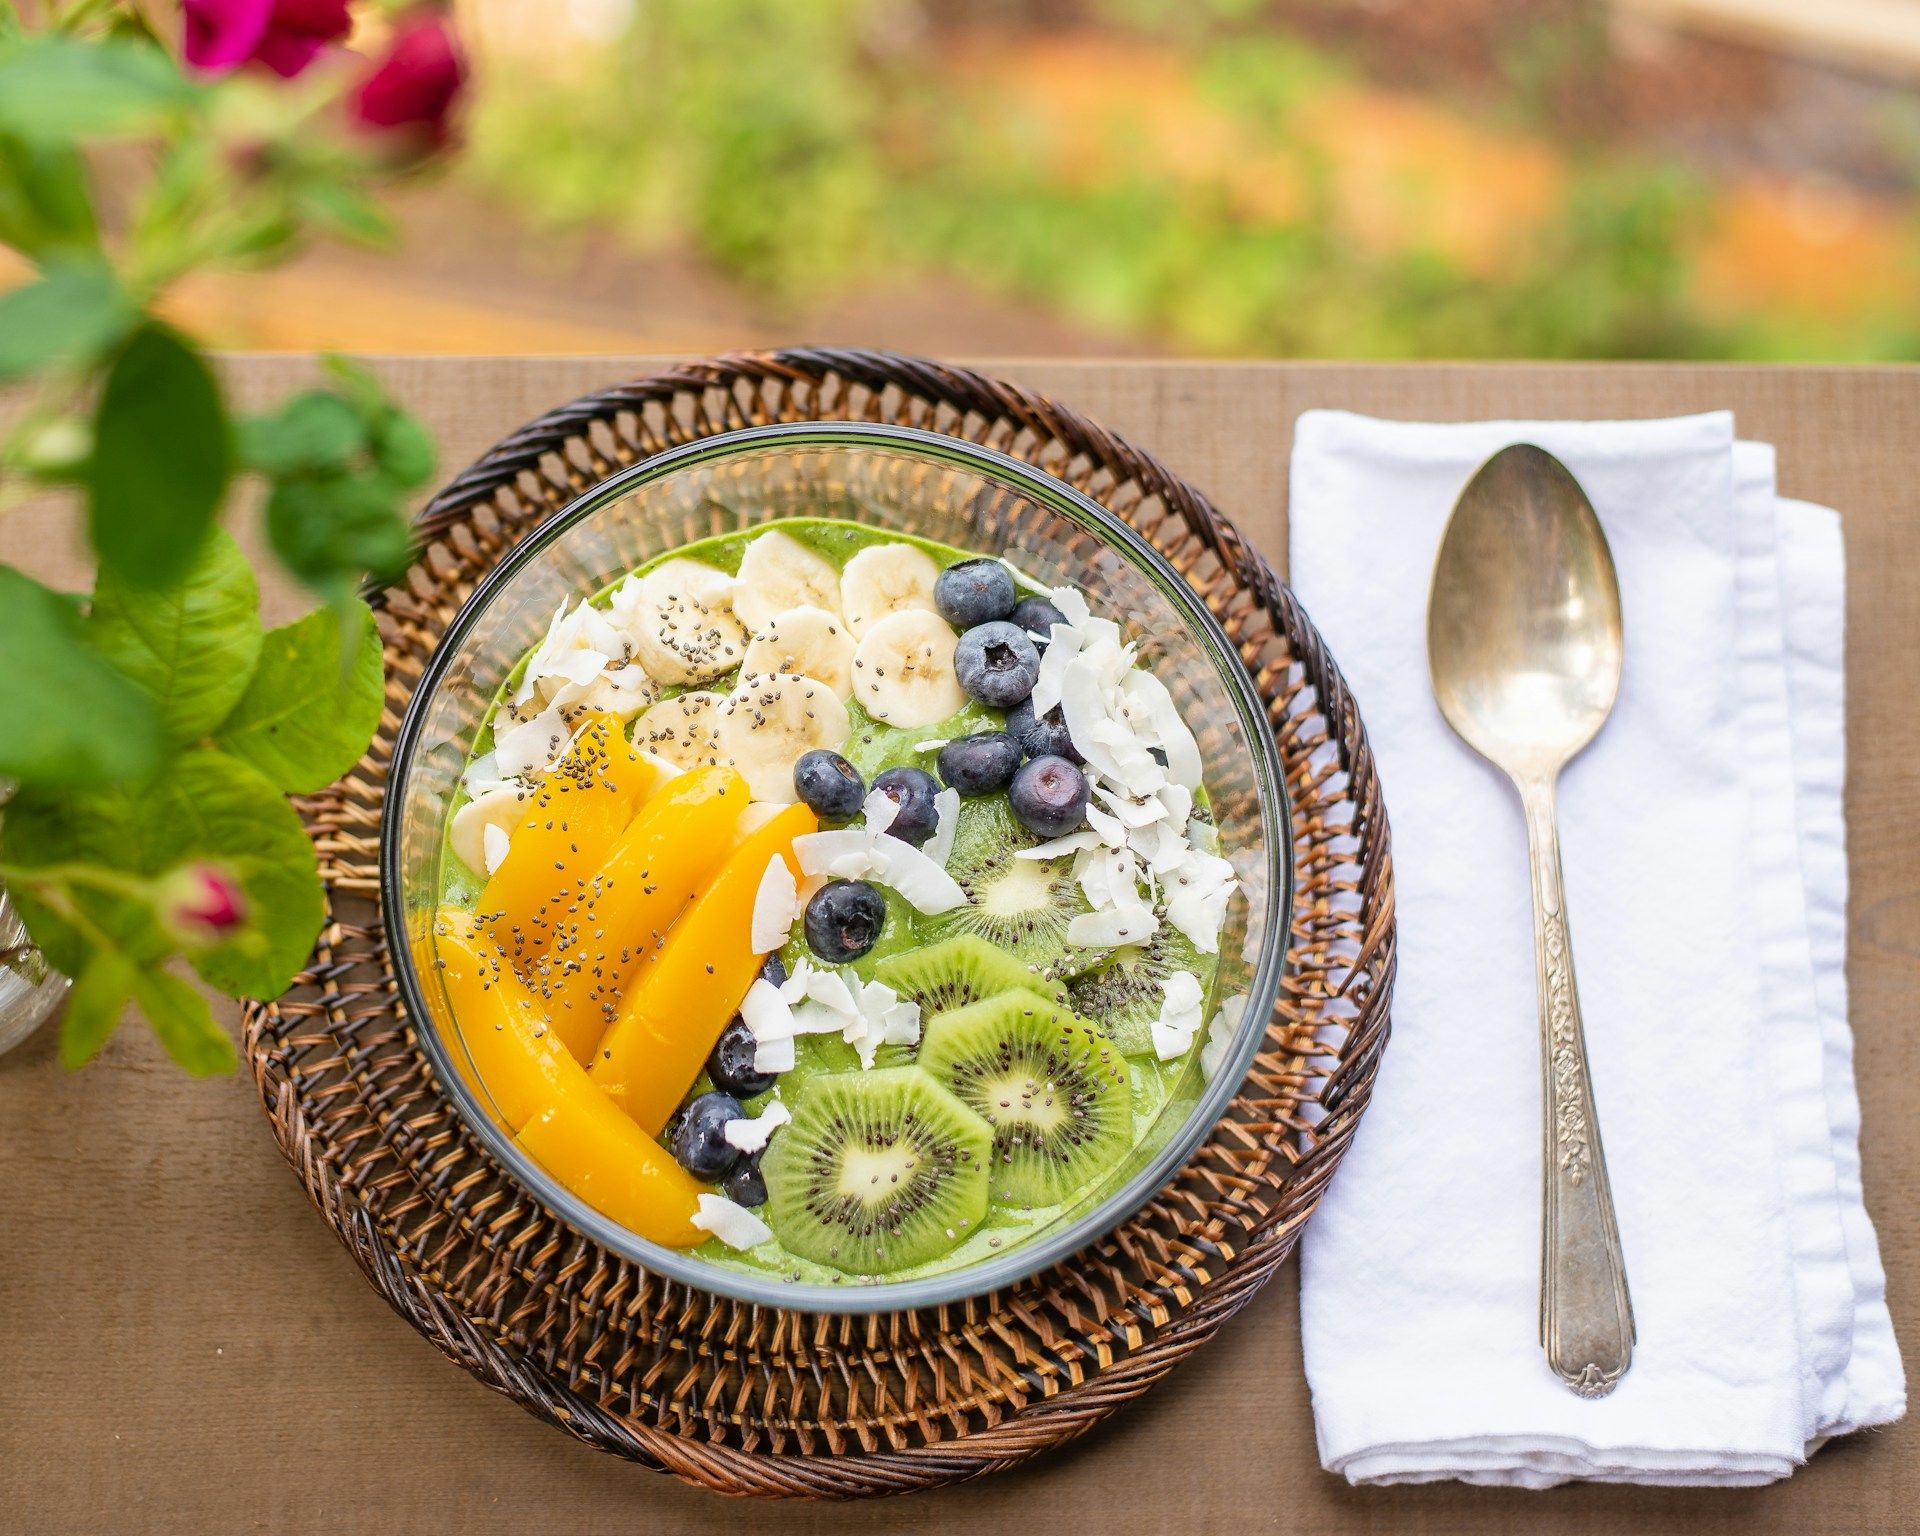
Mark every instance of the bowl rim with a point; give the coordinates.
(856, 1297)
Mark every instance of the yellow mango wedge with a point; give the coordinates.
(681, 1000)
(564, 1122)
(576, 950)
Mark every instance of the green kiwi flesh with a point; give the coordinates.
(1124, 993)
(1053, 1087)
(878, 1171)
(955, 972)
(1020, 907)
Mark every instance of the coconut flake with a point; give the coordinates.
(774, 1056)
(946, 822)
(1112, 927)
(493, 845)
(917, 878)
(766, 1013)
(1073, 842)
(882, 811)
(776, 905)
(481, 827)
(734, 1225)
(750, 1134)
(819, 852)
(830, 989)
(1180, 1005)
(533, 746)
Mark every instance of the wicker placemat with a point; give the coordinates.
(751, 1400)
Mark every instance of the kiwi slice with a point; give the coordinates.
(1123, 994)
(1020, 907)
(879, 1171)
(1052, 1086)
(955, 972)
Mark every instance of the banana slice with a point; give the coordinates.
(681, 729)
(903, 670)
(884, 579)
(497, 810)
(778, 572)
(805, 640)
(769, 721)
(680, 619)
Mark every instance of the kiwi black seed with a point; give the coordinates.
(1019, 906)
(878, 1172)
(1124, 993)
(957, 971)
(1054, 1088)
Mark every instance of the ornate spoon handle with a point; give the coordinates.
(1586, 1315)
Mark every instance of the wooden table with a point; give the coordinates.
(184, 1347)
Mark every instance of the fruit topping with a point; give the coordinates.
(745, 1185)
(619, 1170)
(731, 1064)
(1125, 993)
(828, 783)
(974, 592)
(980, 764)
(912, 790)
(997, 664)
(698, 1135)
(681, 729)
(769, 721)
(679, 619)
(669, 1019)
(1049, 795)
(1021, 906)
(804, 640)
(885, 579)
(844, 920)
(903, 670)
(778, 572)
(1037, 616)
(879, 1171)
(1041, 735)
(1052, 1086)
(955, 972)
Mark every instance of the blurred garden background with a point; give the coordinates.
(1295, 178)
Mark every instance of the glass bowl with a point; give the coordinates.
(906, 481)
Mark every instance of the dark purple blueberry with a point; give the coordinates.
(979, 765)
(1036, 616)
(1049, 795)
(775, 970)
(828, 784)
(912, 789)
(699, 1135)
(1041, 735)
(997, 664)
(844, 920)
(731, 1063)
(973, 592)
(744, 1186)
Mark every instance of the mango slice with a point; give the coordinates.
(619, 1170)
(577, 948)
(682, 999)
(564, 1122)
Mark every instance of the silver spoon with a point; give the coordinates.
(1524, 642)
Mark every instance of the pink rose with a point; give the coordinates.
(284, 35)
(201, 903)
(411, 91)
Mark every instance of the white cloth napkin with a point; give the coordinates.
(1705, 860)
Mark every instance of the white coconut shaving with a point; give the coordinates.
(733, 1224)
(870, 852)
(752, 1132)
(776, 907)
(494, 844)
(1179, 1020)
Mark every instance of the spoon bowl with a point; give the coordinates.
(1524, 644)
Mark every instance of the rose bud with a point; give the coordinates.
(284, 35)
(408, 96)
(201, 903)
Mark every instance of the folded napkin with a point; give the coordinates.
(1705, 867)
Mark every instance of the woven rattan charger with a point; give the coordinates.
(749, 1400)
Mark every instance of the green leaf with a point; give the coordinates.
(46, 205)
(309, 713)
(403, 449)
(66, 717)
(162, 454)
(94, 1005)
(330, 531)
(191, 647)
(206, 804)
(71, 315)
(185, 1024)
(342, 209)
(60, 88)
(312, 432)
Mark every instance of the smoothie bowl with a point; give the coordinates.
(837, 866)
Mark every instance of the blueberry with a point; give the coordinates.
(744, 1186)
(699, 1139)
(997, 664)
(844, 920)
(978, 765)
(828, 784)
(775, 970)
(731, 1064)
(1041, 735)
(912, 789)
(1049, 795)
(973, 592)
(1036, 616)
